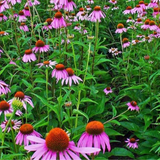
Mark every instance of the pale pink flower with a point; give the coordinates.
(58, 21)
(3, 5)
(13, 2)
(96, 15)
(106, 7)
(15, 125)
(60, 2)
(71, 77)
(152, 26)
(90, 1)
(94, 136)
(70, 6)
(132, 106)
(47, 64)
(128, 10)
(130, 20)
(2, 17)
(26, 12)
(40, 47)
(137, 9)
(3, 33)
(4, 88)
(24, 27)
(32, 3)
(29, 56)
(146, 24)
(48, 24)
(142, 5)
(132, 143)
(152, 5)
(125, 42)
(112, 1)
(120, 28)
(107, 90)
(57, 145)
(112, 50)
(25, 131)
(21, 17)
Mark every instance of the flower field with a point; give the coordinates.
(79, 79)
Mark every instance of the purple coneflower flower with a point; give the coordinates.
(113, 1)
(23, 98)
(106, 7)
(120, 28)
(4, 87)
(130, 20)
(128, 10)
(152, 26)
(29, 56)
(48, 24)
(95, 136)
(88, 8)
(25, 131)
(90, 1)
(21, 17)
(137, 9)
(125, 42)
(70, 6)
(107, 90)
(32, 3)
(97, 14)
(71, 77)
(59, 72)
(47, 64)
(56, 145)
(80, 13)
(58, 21)
(146, 24)
(26, 11)
(15, 125)
(40, 47)
(112, 50)
(60, 2)
(13, 2)
(132, 106)
(3, 5)
(24, 27)
(2, 17)
(5, 107)
(152, 5)
(132, 143)
(142, 5)
(3, 33)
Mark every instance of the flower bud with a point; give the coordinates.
(17, 104)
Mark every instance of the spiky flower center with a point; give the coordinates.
(139, 20)
(49, 21)
(2, 32)
(146, 4)
(151, 23)
(129, 8)
(129, 17)
(69, 0)
(23, 24)
(81, 9)
(125, 40)
(141, 2)
(57, 140)
(132, 140)
(58, 15)
(108, 88)
(1, 14)
(70, 71)
(12, 123)
(28, 51)
(4, 106)
(21, 13)
(146, 22)
(60, 67)
(19, 95)
(46, 62)
(146, 57)
(26, 8)
(94, 128)
(133, 103)
(97, 8)
(136, 40)
(40, 43)
(155, 33)
(120, 25)
(155, 9)
(26, 128)
(138, 6)
(73, 14)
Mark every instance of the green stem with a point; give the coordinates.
(74, 57)
(47, 92)
(78, 103)
(115, 117)
(95, 45)
(31, 76)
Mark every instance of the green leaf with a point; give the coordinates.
(88, 100)
(75, 111)
(130, 126)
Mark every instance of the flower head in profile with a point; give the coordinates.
(3, 33)
(21, 17)
(59, 72)
(3, 17)
(128, 10)
(24, 27)
(29, 56)
(70, 6)
(132, 143)
(48, 24)
(58, 21)
(40, 47)
(120, 28)
(4, 88)
(23, 98)
(57, 145)
(15, 125)
(5, 108)
(3, 5)
(95, 136)
(26, 11)
(25, 131)
(125, 42)
(107, 90)
(96, 15)
(32, 3)
(132, 106)
(47, 64)
(152, 26)
(71, 77)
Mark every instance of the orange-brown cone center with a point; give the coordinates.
(4, 106)
(49, 21)
(133, 103)
(146, 22)
(129, 8)
(139, 20)
(28, 51)
(58, 15)
(57, 140)
(26, 128)
(70, 71)
(151, 23)
(26, 8)
(97, 8)
(22, 24)
(21, 13)
(138, 6)
(94, 128)
(1, 14)
(60, 67)
(40, 43)
(132, 140)
(2, 33)
(120, 25)
(19, 95)
(81, 9)
(141, 2)
(125, 40)
(12, 123)
(108, 88)
(46, 62)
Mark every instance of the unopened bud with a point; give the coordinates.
(17, 104)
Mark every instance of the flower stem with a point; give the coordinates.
(79, 96)
(47, 92)
(95, 45)
(115, 117)
(74, 57)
